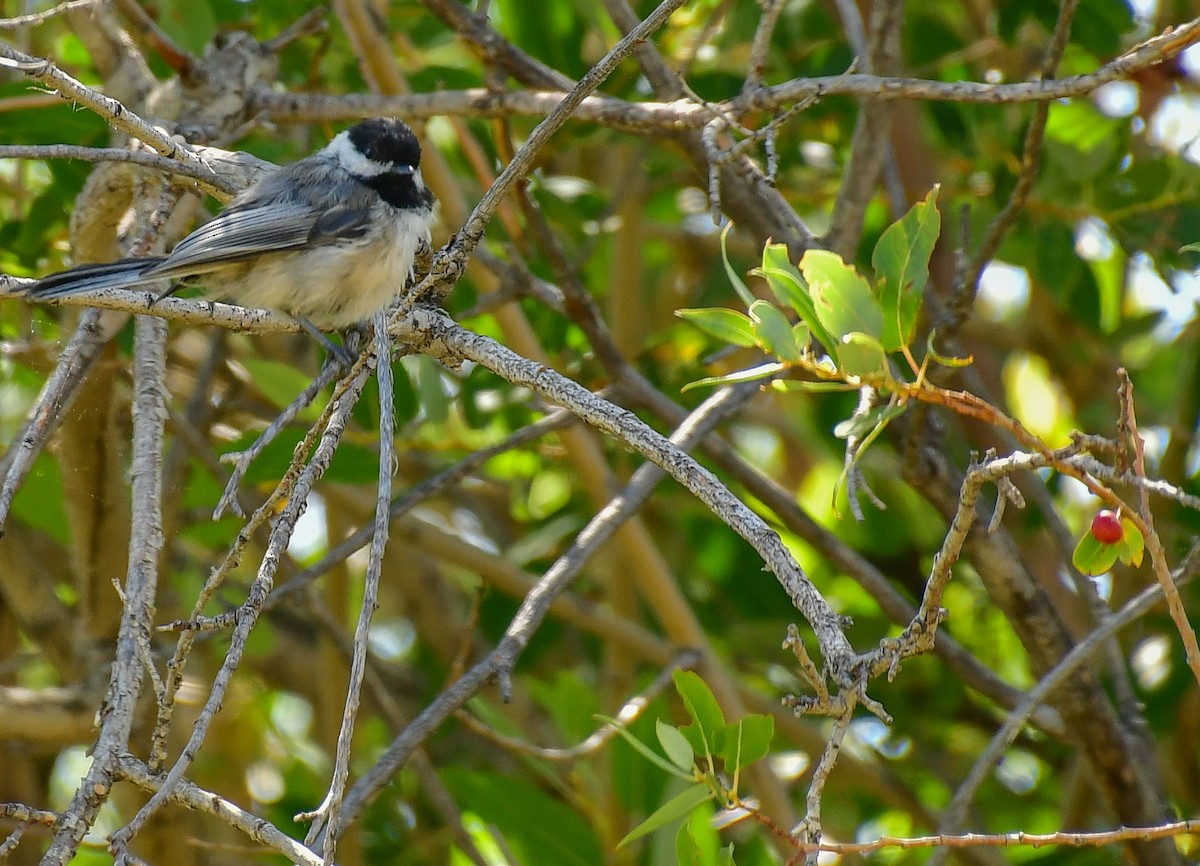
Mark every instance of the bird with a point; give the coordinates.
(329, 239)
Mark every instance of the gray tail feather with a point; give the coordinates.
(87, 278)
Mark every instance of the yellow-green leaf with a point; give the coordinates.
(843, 300)
(727, 325)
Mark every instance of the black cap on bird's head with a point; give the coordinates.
(384, 154)
(386, 141)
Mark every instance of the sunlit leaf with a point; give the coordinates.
(687, 851)
(861, 355)
(861, 424)
(762, 371)
(1135, 544)
(1093, 557)
(785, 280)
(703, 708)
(867, 427)
(843, 299)
(901, 261)
(644, 750)
(788, 285)
(746, 741)
(735, 280)
(774, 331)
(676, 746)
(730, 326)
(801, 335)
(811, 387)
(677, 807)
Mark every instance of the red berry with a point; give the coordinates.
(1106, 527)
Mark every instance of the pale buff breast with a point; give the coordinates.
(337, 289)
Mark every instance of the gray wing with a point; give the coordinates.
(239, 234)
(244, 233)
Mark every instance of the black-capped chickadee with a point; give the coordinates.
(329, 239)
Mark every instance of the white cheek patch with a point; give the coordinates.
(349, 157)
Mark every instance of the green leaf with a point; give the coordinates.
(725, 856)
(675, 744)
(705, 712)
(762, 371)
(734, 280)
(843, 299)
(687, 851)
(801, 335)
(1135, 544)
(1079, 124)
(677, 807)
(861, 355)
(729, 326)
(901, 260)
(542, 829)
(570, 700)
(788, 285)
(786, 282)
(1193, 247)
(190, 24)
(774, 331)
(746, 741)
(758, 729)
(1093, 557)
(786, 385)
(277, 381)
(39, 501)
(645, 751)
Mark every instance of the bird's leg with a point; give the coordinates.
(342, 354)
(355, 337)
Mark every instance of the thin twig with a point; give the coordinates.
(1031, 158)
(249, 612)
(208, 179)
(156, 38)
(116, 114)
(435, 333)
(665, 117)
(327, 816)
(809, 831)
(870, 148)
(419, 493)
(630, 712)
(32, 20)
(94, 331)
(1146, 600)
(761, 43)
(1158, 556)
(193, 797)
(1097, 839)
(449, 263)
(533, 609)
(145, 542)
(241, 460)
